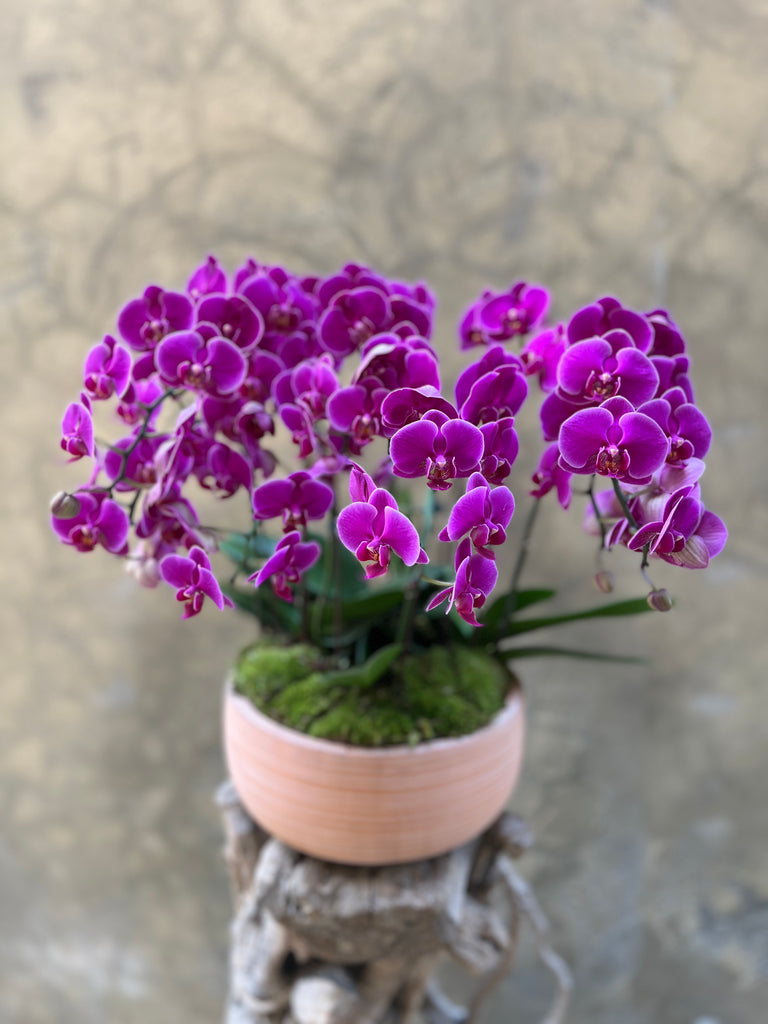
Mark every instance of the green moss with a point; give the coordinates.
(441, 691)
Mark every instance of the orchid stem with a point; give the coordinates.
(622, 499)
(596, 510)
(522, 556)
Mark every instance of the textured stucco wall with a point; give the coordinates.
(598, 145)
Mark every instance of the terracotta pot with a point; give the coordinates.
(360, 805)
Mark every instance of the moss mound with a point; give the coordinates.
(438, 692)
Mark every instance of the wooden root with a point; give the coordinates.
(320, 943)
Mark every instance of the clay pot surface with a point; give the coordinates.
(369, 806)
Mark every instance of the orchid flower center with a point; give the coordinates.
(154, 330)
(679, 449)
(512, 319)
(601, 385)
(193, 375)
(612, 461)
(361, 330)
(86, 537)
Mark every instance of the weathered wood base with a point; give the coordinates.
(319, 943)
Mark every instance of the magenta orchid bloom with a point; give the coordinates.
(438, 448)
(550, 474)
(292, 558)
(213, 383)
(688, 535)
(194, 581)
(99, 522)
(297, 499)
(613, 440)
(186, 359)
(107, 369)
(77, 430)
(476, 577)
(483, 514)
(372, 530)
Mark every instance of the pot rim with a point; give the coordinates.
(513, 706)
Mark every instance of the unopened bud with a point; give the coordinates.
(659, 600)
(64, 505)
(604, 581)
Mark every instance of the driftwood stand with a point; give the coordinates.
(319, 943)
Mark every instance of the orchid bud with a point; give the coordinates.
(64, 505)
(659, 600)
(604, 581)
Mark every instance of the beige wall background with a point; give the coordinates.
(601, 146)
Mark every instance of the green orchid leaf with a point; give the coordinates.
(271, 611)
(246, 549)
(633, 606)
(371, 671)
(366, 609)
(507, 605)
(345, 577)
(513, 653)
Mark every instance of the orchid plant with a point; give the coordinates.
(397, 501)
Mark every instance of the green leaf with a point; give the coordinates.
(633, 606)
(244, 549)
(365, 609)
(320, 578)
(513, 653)
(267, 607)
(509, 604)
(371, 671)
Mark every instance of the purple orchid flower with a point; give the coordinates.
(607, 315)
(540, 356)
(407, 405)
(500, 448)
(500, 316)
(145, 321)
(139, 396)
(399, 362)
(361, 485)
(482, 514)
(77, 430)
(194, 581)
(355, 411)
(496, 395)
(491, 360)
(438, 448)
(292, 558)
(233, 318)
(667, 339)
(684, 424)
(169, 520)
(613, 440)
(372, 530)
(134, 458)
(297, 499)
(688, 535)
(226, 468)
(476, 577)
(284, 306)
(550, 474)
(310, 385)
(186, 359)
(352, 318)
(673, 373)
(207, 279)
(592, 371)
(99, 521)
(107, 369)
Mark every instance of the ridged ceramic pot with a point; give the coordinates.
(368, 806)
